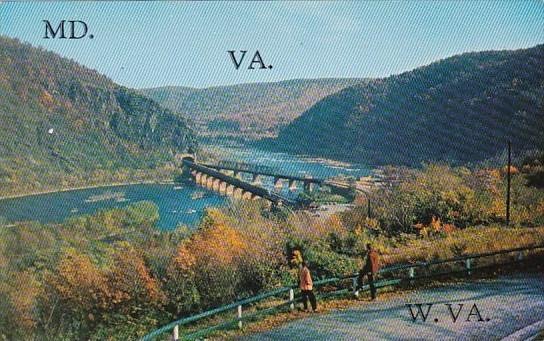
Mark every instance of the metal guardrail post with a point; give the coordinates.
(240, 317)
(354, 284)
(411, 272)
(468, 264)
(175, 334)
(292, 299)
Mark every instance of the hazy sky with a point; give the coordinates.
(148, 44)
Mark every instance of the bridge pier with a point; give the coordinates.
(209, 182)
(278, 183)
(308, 186)
(292, 185)
(230, 190)
(256, 179)
(216, 184)
(246, 195)
(203, 180)
(238, 193)
(197, 176)
(223, 188)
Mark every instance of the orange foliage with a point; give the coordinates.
(131, 281)
(513, 170)
(434, 227)
(184, 260)
(92, 292)
(216, 244)
(212, 259)
(435, 224)
(80, 282)
(334, 225)
(448, 228)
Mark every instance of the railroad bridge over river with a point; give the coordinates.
(226, 178)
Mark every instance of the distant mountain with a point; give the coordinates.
(62, 122)
(253, 110)
(461, 109)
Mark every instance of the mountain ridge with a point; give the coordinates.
(455, 109)
(248, 110)
(63, 121)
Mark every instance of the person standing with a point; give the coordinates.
(370, 268)
(306, 287)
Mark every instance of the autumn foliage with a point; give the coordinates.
(211, 259)
(114, 275)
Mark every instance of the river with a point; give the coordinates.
(178, 204)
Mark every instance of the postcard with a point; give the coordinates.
(271, 170)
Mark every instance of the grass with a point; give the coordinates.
(467, 241)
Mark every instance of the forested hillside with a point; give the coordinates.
(64, 124)
(252, 110)
(459, 109)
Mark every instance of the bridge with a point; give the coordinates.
(236, 169)
(217, 179)
(226, 178)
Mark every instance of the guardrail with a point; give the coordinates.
(468, 267)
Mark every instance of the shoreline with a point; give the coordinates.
(330, 162)
(305, 158)
(77, 188)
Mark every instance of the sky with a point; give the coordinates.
(151, 44)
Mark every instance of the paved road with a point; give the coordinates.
(510, 303)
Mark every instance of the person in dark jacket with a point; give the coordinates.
(306, 287)
(370, 268)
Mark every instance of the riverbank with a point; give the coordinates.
(285, 163)
(76, 188)
(178, 204)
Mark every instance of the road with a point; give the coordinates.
(505, 304)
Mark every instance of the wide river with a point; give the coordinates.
(178, 204)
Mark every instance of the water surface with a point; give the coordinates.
(184, 204)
